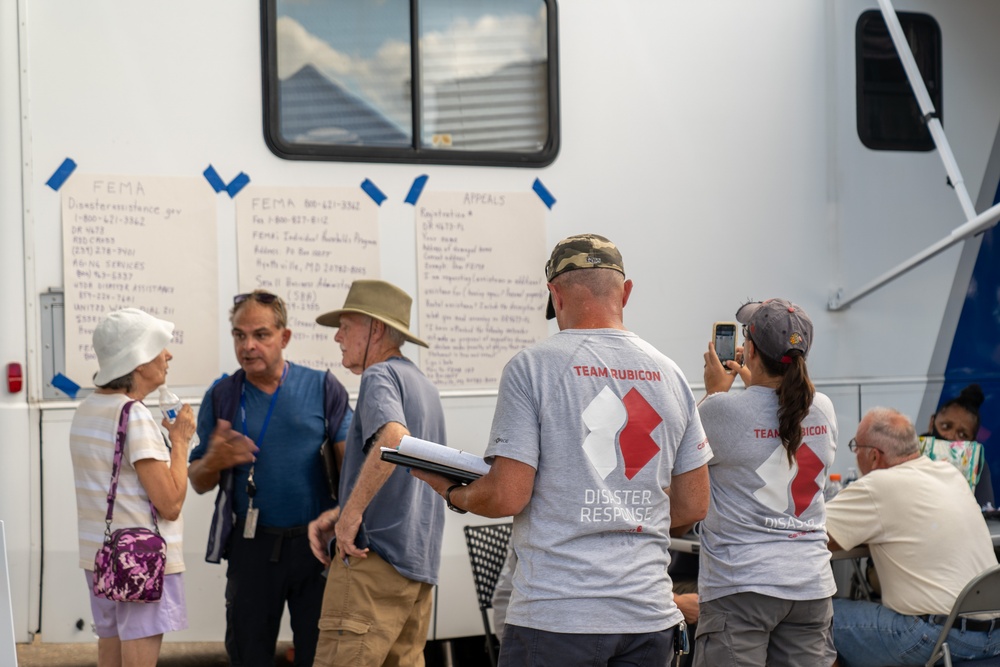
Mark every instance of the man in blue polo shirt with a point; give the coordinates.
(270, 491)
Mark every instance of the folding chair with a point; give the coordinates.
(487, 553)
(980, 596)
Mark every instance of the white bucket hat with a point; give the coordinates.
(126, 339)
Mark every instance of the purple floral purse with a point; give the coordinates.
(131, 564)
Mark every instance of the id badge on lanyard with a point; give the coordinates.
(250, 529)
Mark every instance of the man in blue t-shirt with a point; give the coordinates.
(377, 605)
(268, 491)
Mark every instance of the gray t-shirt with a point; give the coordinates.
(765, 529)
(405, 520)
(606, 420)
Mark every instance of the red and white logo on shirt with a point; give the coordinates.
(636, 420)
(801, 481)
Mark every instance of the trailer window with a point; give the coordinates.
(889, 117)
(339, 80)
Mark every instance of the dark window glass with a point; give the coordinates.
(889, 117)
(338, 80)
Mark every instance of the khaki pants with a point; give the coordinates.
(372, 616)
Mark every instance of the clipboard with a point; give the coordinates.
(456, 474)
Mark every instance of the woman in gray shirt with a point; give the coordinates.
(765, 581)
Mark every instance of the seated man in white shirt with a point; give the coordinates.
(927, 538)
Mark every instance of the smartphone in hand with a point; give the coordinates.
(724, 336)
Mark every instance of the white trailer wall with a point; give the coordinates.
(714, 142)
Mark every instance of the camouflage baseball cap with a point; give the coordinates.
(777, 327)
(583, 251)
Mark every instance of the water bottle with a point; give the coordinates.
(170, 405)
(833, 487)
(852, 476)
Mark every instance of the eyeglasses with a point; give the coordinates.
(854, 446)
(259, 297)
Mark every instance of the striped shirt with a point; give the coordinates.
(92, 446)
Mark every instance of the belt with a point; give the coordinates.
(281, 534)
(970, 624)
(286, 533)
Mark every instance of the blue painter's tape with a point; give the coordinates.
(543, 193)
(213, 179)
(237, 184)
(57, 179)
(418, 187)
(377, 195)
(65, 385)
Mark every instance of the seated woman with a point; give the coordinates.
(957, 420)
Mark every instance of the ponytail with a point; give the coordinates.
(795, 397)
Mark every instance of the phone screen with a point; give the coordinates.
(725, 341)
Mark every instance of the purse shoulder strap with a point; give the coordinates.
(116, 466)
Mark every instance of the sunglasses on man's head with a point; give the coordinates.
(259, 297)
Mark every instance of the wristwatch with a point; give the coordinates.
(447, 499)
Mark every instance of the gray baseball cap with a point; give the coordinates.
(777, 326)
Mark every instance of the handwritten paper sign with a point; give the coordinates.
(146, 242)
(307, 245)
(481, 283)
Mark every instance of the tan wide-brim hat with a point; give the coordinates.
(379, 299)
